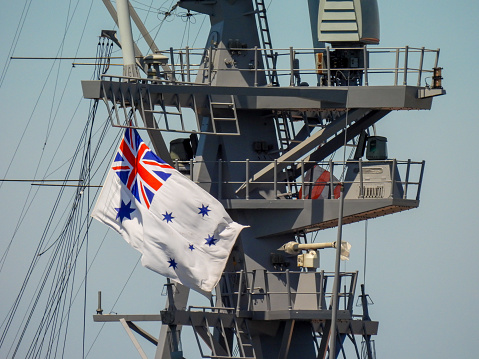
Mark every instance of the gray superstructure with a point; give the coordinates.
(261, 124)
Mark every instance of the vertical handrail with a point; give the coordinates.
(321, 290)
(239, 293)
(291, 65)
(393, 177)
(302, 180)
(210, 64)
(331, 184)
(406, 55)
(172, 59)
(275, 179)
(366, 65)
(361, 179)
(220, 178)
(288, 288)
(247, 178)
(188, 75)
(396, 68)
(182, 70)
(328, 59)
(250, 286)
(266, 289)
(352, 290)
(437, 58)
(420, 180)
(406, 184)
(256, 66)
(421, 61)
(191, 170)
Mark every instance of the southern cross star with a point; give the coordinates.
(172, 263)
(168, 217)
(124, 211)
(204, 210)
(211, 240)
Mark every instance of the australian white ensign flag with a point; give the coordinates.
(182, 231)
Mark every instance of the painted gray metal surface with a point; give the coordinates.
(269, 308)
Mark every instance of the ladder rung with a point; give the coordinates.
(222, 103)
(224, 118)
(164, 112)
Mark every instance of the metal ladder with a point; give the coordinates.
(270, 57)
(244, 340)
(282, 128)
(244, 348)
(286, 140)
(223, 111)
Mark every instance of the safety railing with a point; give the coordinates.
(299, 180)
(305, 66)
(262, 290)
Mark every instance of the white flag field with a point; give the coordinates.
(182, 231)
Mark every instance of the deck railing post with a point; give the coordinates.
(220, 179)
(238, 299)
(275, 179)
(366, 65)
(210, 64)
(188, 75)
(247, 178)
(406, 184)
(331, 181)
(291, 65)
(256, 66)
(302, 180)
(420, 180)
(421, 61)
(288, 288)
(396, 69)
(393, 177)
(406, 55)
(172, 59)
(328, 60)
(361, 183)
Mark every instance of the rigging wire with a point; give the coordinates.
(16, 37)
(50, 319)
(150, 8)
(25, 209)
(35, 261)
(72, 262)
(166, 15)
(113, 306)
(44, 86)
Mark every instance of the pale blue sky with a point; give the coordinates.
(422, 270)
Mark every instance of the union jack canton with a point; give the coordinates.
(139, 168)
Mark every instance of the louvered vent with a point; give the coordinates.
(338, 21)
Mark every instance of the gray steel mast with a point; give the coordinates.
(264, 124)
